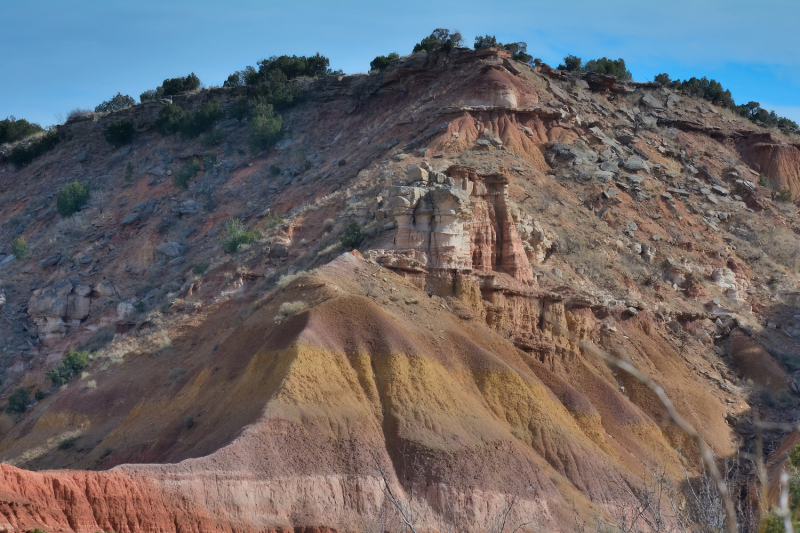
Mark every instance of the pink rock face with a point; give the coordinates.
(496, 245)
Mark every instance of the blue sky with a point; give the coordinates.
(56, 55)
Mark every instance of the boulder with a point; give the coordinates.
(672, 100)
(170, 249)
(604, 176)
(635, 163)
(437, 177)
(649, 123)
(609, 166)
(724, 278)
(49, 261)
(124, 310)
(82, 289)
(50, 329)
(415, 173)
(651, 102)
(50, 301)
(131, 219)
(104, 288)
(278, 251)
(77, 307)
(188, 207)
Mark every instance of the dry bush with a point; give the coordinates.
(287, 279)
(288, 309)
(78, 112)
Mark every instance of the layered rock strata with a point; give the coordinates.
(459, 223)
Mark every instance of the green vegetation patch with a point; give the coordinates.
(71, 198)
(70, 366)
(12, 130)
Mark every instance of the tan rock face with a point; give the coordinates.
(61, 306)
(463, 225)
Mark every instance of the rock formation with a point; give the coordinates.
(458, 224)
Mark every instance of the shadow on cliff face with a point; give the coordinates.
(186, 394)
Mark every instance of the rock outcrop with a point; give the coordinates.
(62, 306)
(460, 223)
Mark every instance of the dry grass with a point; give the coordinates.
(288, 309)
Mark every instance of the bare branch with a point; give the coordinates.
(784, 503)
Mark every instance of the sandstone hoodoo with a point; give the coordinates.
(447, 295)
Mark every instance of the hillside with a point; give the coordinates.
(508, 213)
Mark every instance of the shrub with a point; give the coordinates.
(213, 137)
(170, 119)
(265, 127)
(280, 67)
(119, 132)
(240, 107)
(173, 86)
(571, 64)
(286, 279)
(22, 155)
(12, 130)
(342, 162)
(487, 41)
(129, 172)
(295, 66)
(70, 366)
(274, 170)
(352, 236)
(71, 198)
(236, 234)
(288, 309)
(763, 180)
(78, 113)
(710, 89)
(519, 51)
(381, 63)
(149, 95)
(118, 102)
(440, 40)
(276, 90)
(173, 119)
(248, 76)
(19, 248)
(784, 196)
(188, 171)
(67, 443)
(611, 67)
(19, 401)
(202, 120)
(199, 269)
(209, 160)
(40, 395)
(663, 79)
(272, 219)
